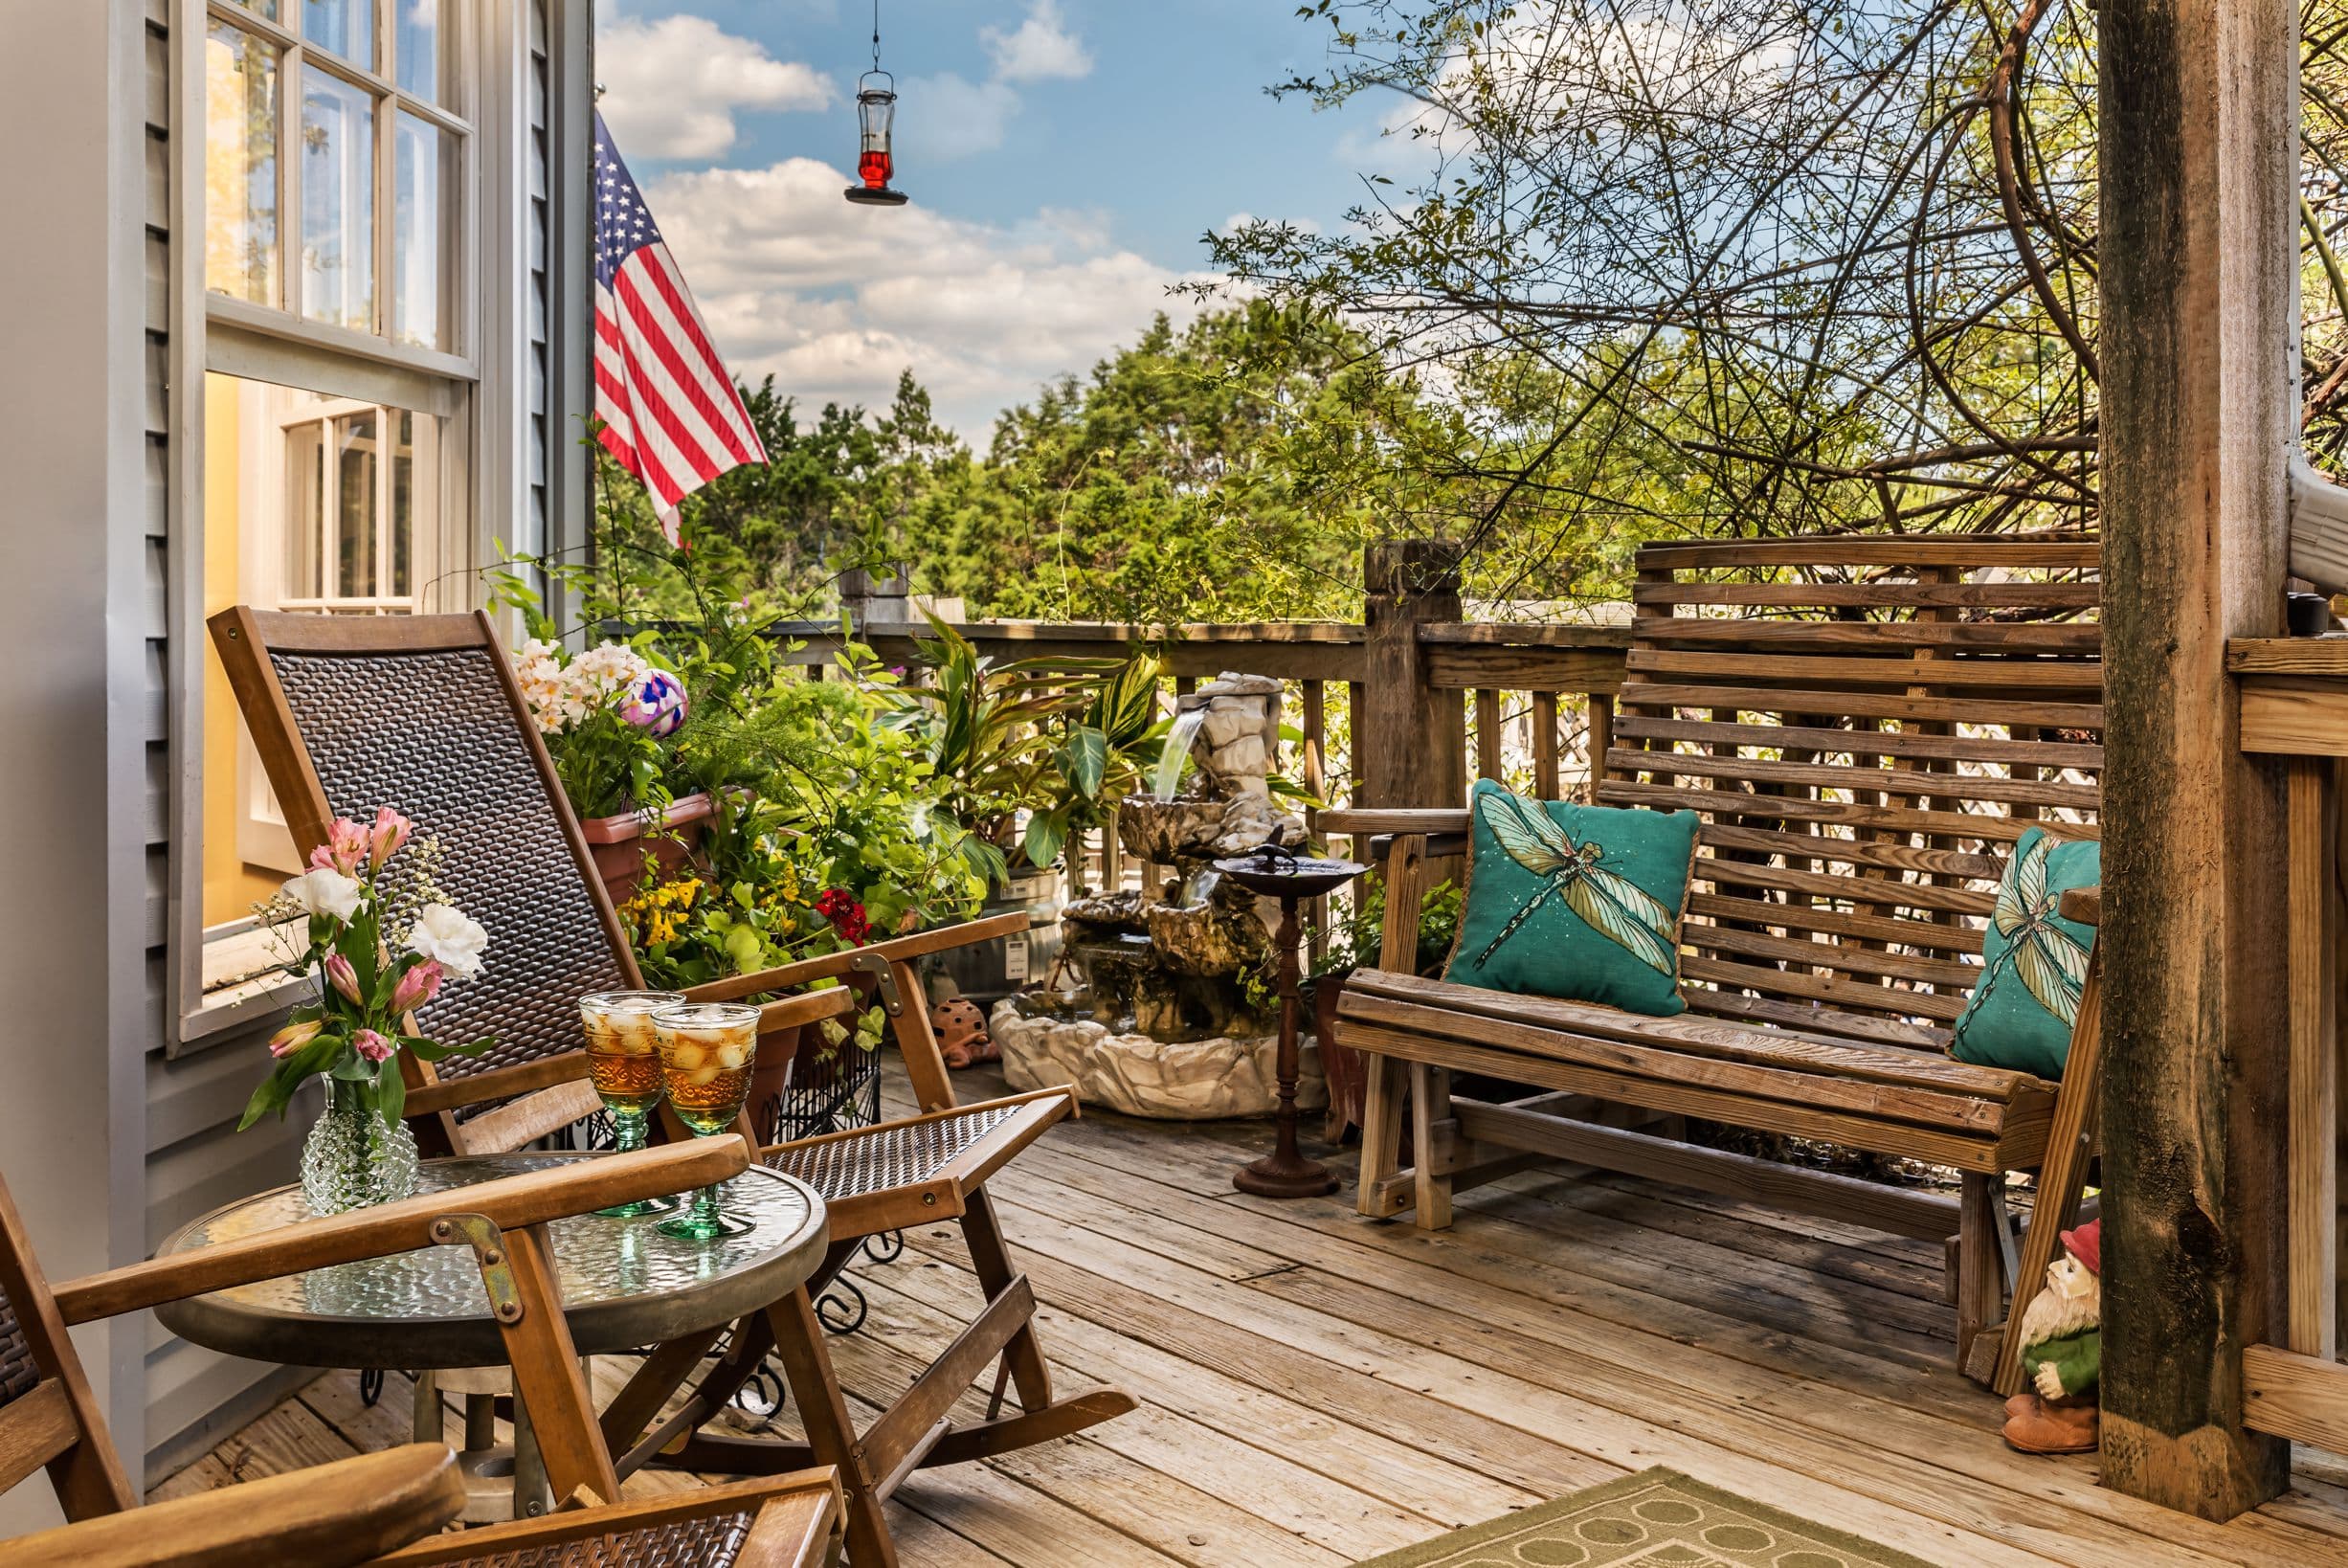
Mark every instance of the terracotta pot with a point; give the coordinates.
(614, 842)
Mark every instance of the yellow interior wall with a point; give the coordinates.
(230, 887)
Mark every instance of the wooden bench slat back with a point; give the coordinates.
(1866, 727)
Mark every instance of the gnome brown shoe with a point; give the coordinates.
(2056, 1427)
(2021, 1404)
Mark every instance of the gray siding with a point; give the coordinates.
(195, 1159)
(534, 534)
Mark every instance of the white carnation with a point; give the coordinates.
(324, 891)
(445, 933)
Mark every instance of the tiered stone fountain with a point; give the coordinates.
(1148, 1013)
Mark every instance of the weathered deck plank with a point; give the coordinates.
(1317, 1388)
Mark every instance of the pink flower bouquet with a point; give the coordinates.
(367, 990)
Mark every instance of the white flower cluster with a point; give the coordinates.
(560, 695)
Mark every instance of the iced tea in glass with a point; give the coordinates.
(707, 1053)
(623, 1061)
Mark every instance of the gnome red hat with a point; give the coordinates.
(2086, 1244)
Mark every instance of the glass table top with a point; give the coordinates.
(622, 1273)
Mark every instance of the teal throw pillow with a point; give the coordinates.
(2033, 961)
(1581, 903)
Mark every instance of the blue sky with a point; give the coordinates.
(1063, 157)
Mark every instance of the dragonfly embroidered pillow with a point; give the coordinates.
(1581, 903)
(2033, 961)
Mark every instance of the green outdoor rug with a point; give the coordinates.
(1655, 1518)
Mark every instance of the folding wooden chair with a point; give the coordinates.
(423, 712)
(349, 1511)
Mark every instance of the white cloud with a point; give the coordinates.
(1040, 49)
(833, 298)
(944, 117)
(672, 87)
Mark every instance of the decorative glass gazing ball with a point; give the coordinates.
(655, 702)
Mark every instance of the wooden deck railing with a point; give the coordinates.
(2294, 705)
(1383, 711)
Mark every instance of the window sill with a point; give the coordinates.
(241, 987)
(232, 1008)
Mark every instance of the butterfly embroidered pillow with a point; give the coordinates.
(2033, 961)
(1581, 903)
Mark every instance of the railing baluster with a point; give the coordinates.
(2313, 1210)
(1545, 744)
(1601, 740)
(1314, 721)
(1488, 733)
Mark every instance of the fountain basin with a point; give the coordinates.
(1132, 1073)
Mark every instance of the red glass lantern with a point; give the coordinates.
(876, 107)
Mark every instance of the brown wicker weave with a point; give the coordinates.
(17, 1373)
(431, 731)
(888, 1156)
(713, 1541)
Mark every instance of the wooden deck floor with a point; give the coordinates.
(1317, 1388)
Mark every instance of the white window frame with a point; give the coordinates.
(477, 390)
(439, 536)
(463, 58)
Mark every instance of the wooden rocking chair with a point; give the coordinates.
(423, 712)
(349, 1511)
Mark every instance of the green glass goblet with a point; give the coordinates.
(707, 1052)
(623, 1061)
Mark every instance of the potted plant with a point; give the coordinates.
(1027, 753)
(605, 715)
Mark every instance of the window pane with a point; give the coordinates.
(306, 511)
(424, 178)
(240, 166)
(354, 506)
(403, 500)
(338, 203)
(261, 8)
(415, 46)
(347, 26)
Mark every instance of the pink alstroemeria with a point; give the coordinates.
(343, 977)
(347, 845)
(373, 1046)
(294, 1036)
(419, 986)
(391, 831)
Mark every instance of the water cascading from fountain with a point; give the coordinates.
(1176, 751)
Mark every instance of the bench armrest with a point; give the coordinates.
(328, 1515)
(2084, 904)
(1428, 819)
(515, 1202)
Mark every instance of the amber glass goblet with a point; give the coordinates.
(707, 1052)
(623, 1061)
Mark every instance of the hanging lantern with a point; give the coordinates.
(876, 106)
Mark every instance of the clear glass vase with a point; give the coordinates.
(351, 1158)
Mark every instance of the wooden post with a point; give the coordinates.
(2199, 111)
(1410, 741)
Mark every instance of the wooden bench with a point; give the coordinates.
(1864, 726)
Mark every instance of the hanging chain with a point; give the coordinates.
(876, 35)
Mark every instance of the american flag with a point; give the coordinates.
(669, 409)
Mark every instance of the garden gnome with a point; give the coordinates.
(2062, 1353)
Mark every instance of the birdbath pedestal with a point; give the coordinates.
(1276, 872)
